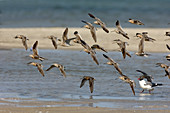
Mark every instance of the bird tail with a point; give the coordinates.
(157, 84)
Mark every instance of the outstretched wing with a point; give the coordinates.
(39, 66)
(132, 87)
(82, 82)
(62, 71)
(50, 67)
(24, 43)
(91, 84)
(64, 37)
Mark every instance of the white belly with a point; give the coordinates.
(143, 85)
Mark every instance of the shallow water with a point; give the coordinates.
(69, 13)
(19, 80)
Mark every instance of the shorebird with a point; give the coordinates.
(53, 39)
(96, 46)
(166, 68)
(99, 22)
(24, 40)
(129, 81)
(39, 67)
(92, 29)
(112, 62)
(119, 30)
(87, 48)
(61, 68)
(122, 46)
(137, 22)
(66, 40)
(122, 77)
(148, 85)
(91, 82)
(145, 75)
(141, 48)
(145, 36)
(35, 53)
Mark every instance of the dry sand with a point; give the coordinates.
(105, 40)
(7, 41)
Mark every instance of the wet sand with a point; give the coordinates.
(34, 106)
(7, 40)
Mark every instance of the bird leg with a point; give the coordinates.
(149, 92)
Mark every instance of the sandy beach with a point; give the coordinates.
(7, 41)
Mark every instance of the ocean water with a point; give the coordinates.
(19, 80)
(69, 13)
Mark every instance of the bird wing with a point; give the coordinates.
(132, 87)
(102, 24)
(91, 84)
(54, 43)
(119, 26)
(35, 48)
(96, 46)
(111, 60)
(64, 37)
(117, 68)
(24, 42)
(94, 57)
(167, 46)
(145, 75)
(50, 67)
(123, 49)
(70, 39)
(82, 82)
(61, 68)
(39, 66)
(128, 54)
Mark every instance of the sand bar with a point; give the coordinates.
(7, 40)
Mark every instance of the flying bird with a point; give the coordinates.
(35, 54)
(122, 46)
(91, 82)
(24, 40)
(53, 39)
(39, 67)
(119, 30)
(129, 81)
(145, 75)
(166, 68)
(141, 48)
(122, 77)
(99, 22)
(87, 48)
(92, 30)
(96, 46)
(148, 85)
(112, 62)
(137, 22)
(145, 36)
(66, 40)
(59, 66)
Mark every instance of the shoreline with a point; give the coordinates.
(105, 40)
(27, 105)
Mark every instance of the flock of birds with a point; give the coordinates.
(144, 84)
